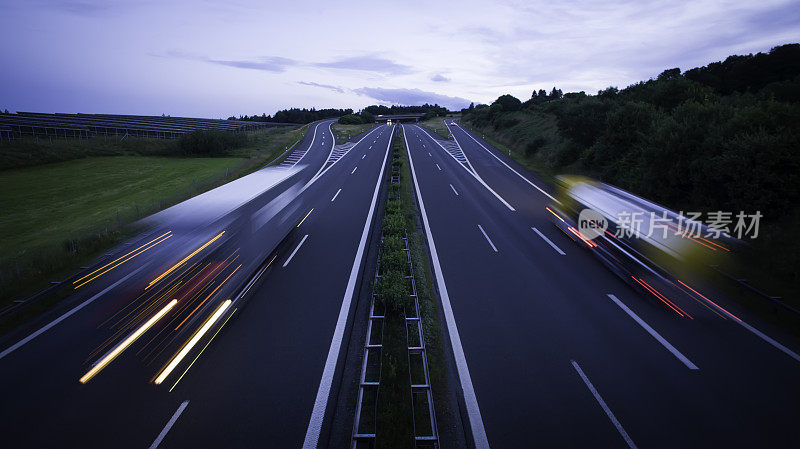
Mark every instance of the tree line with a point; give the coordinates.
(725, 136)
(303, 116)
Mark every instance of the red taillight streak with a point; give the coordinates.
(712, 302)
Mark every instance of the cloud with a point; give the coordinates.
(439, 78)
(274, 64)
(412, 97)
(324, 86)
(278, 64)
(367, 63)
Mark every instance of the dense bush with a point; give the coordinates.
(392, 242)
(211, 142)
(394, 224)
(392, 289)
(394, 260)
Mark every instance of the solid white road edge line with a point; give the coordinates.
(321, 172)
(553, 245)
(169, 425)
(310, 144)
(323, 392)
(67, 315)
(603, 404)
(295, 251)
(470, 400)
(337, 194)
(504, 163)
(487, 238)
(654, 334)
(471, 172)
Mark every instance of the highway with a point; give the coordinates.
(556, 351)
(119, 364)
(227, 321)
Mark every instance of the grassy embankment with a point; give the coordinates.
(61, 215)
(718, 138)
(395, 424)
(437, 125)
(344, 132)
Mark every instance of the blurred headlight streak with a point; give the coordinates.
(183, 261)
(193, 341)
(120, 260)
(304, 218)
(127, 342)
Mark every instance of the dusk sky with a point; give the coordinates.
(221, 58)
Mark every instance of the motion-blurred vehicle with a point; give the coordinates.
(649, 246)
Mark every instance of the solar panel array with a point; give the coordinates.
(82, 126)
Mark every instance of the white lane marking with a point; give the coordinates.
(603, 404)
(471, 172)
(66, 315)
(354, 170)
(440, 168)
(308, 150)
(429, 154)
(553, 245)
(487, 238)
(169, 425)
(454, 189)
(323, 392)
(470, 400)
(337, 194)
(370, 147)
(654, 334)
(363, 156)
(507, 166)
(320, 172)
(295, 251)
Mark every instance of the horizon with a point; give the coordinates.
(238, 58)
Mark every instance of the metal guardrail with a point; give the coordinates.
(369, 378)
(426, 434)
(743, 283)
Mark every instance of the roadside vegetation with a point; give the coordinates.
(343, 132)
(401, 230)
(437, 125)
(59, 216)
(721, 137)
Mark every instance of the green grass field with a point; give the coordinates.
(345, 132)
(66, 203)
(43, 205)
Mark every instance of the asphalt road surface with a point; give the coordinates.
(258, 383)
(559, 351)
(224, 323)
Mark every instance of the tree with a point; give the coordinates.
(669, 74)
(608, 92)
(555, 94)
(508, 103)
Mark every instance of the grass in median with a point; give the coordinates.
(395, 419)
(343, 133)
